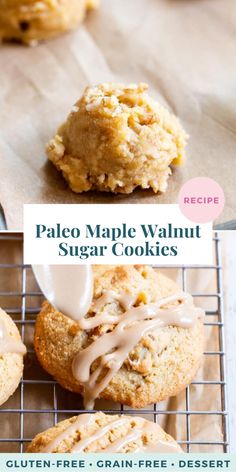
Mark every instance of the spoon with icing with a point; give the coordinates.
(69, 288)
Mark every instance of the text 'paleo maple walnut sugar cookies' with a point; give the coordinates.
(116, 139)
(140, 342)
(30, 21)
(104, 433)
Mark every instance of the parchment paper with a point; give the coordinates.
(203, 427)
(184, 49)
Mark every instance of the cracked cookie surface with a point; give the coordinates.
(117, 138)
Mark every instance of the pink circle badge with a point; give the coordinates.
(201, 200)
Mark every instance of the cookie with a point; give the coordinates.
(140, 343)
(116, 139)
(103, 433)
(12, 351)
(30, 21)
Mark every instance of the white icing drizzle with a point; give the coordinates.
(84, 443)
(8, 344)
(126, 301)
(120, 443)
(83, 421)
(141, 429)
(111, 349)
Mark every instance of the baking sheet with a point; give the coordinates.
(184, 49)
(203, 427)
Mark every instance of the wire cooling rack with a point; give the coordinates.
(39, 396)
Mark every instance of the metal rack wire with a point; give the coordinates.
(24, 314)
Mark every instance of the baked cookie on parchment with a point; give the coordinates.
(117, 138)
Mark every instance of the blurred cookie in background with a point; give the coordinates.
(30, 21)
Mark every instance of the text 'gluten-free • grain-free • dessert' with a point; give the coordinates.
(116, 139)
(140, 341)
(30, 21)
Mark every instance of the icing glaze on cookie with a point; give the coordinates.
(134, 430)
(111, 349)
(8, 344)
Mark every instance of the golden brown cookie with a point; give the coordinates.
(104, 433)
(30, 21)
(116, 139)
(162, 362)
(11, 357)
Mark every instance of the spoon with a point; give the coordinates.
(69, 288)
